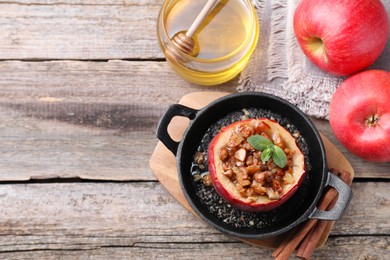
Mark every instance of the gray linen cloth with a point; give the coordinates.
(279, 67)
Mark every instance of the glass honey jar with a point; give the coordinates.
(224, 41)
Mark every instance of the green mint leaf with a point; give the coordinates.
(259, 142)
(266, 154)
(279, 157)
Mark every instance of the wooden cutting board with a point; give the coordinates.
(163, 162)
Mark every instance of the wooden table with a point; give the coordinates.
(82, 87)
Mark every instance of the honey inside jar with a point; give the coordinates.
(222, 32)
(223, 42)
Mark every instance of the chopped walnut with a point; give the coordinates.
(234, 140)
(207, 180)
(245, 130)
(199, 157)
(240, 154)
(223, 154)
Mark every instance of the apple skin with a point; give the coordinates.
(220, 182)
(341, 37)
(359, 115)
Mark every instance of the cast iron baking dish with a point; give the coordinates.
(300, 207)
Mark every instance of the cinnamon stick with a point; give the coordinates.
(306, 248)
(285, 241)
(309, 243)
(288, 246)
(284, 251)
(305, 245)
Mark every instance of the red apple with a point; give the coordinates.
(239, 174)
(360, 115)
(343, 36)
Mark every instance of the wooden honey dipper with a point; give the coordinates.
(184, 41)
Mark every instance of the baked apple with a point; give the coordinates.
(255, 164)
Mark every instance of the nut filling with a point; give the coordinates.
(246, 168)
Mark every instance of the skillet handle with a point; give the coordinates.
(345, 195)
(162, 128)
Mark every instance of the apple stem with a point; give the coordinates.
(372, 120)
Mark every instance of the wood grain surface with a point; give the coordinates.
(92, 120)
(143, 216)
(82, 87)
(83, 30)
